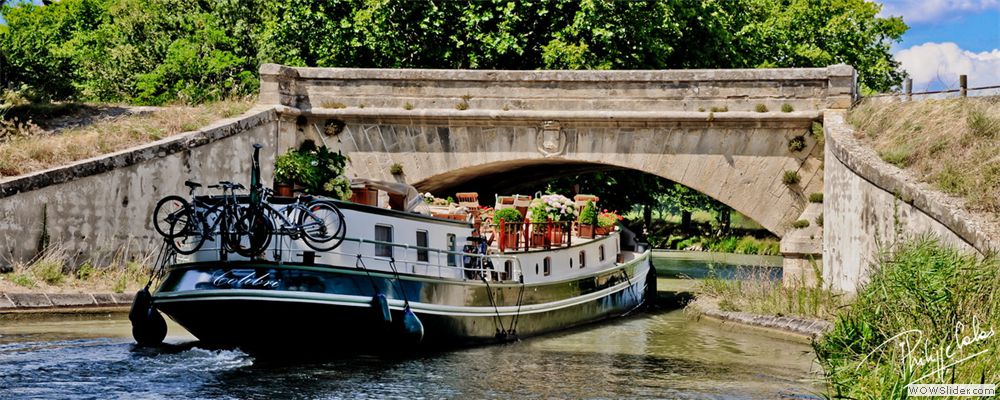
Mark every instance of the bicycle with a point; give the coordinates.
(318, 222)
(187, 226)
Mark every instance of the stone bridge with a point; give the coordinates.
(726, 133)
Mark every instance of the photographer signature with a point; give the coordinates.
(916, 351)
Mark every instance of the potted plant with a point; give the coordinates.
(316, 170)
(606, 222)
(553, 209)
(511, 220)
(587, 220)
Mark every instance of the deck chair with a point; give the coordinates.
(521, 203)
(581, 200)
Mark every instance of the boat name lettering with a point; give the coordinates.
(251, 280)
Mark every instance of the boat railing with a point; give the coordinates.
(469, 264)
(477, 262)
(525, 236)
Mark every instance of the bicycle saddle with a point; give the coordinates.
(192, 184)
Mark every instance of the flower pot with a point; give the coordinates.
(601, 230)
(510, 240)
(586, 231)
(537, 239)
(556, 235)
(283, 189)
(364, 196)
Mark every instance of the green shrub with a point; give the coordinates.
(462, 106)
(396, 169)
(333, 104)
(787, 108)
(48, 270)
(588, 215)
(747, 245)
(318, 170)
(86, 271)
(407, 106)
(761, 108)
(816, 197)
(799, 224)
(726, 245)
(797, 143)
(719, 109)
(819, 220)
(508, 216)
(790, 177)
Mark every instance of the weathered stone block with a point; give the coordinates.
(71, 299)
(29, 300)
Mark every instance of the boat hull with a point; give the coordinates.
(261, 307)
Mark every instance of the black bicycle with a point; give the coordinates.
(319, 223)
(187, 226)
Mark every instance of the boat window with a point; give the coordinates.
(583, 259)
(600, 252)
(547, 266)
(508, 269)
(383, 233)
(452, 258)
(422, 242)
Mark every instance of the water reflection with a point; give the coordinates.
(697, 265)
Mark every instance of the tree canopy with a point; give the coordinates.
(158, 51)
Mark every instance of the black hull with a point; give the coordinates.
(341, 319)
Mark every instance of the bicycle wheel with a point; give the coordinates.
(251, 233)
(188, 237)
(323, 226)
(169, 211)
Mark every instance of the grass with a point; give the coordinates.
(396, 169)
(921, 285)
(760, 108)
(952, 144)
(753, 290)
(801, 223)
(797, 144)
(56, 270)
(787, 108)
(37, 150)
(816, 197)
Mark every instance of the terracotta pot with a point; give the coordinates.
(510, 240)
(364, 196)
(283, 189)
(586, 231)
(601, 230)
(555, 235)
(537, 239)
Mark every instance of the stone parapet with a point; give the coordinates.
(17, 302)
(870, 204)
(587, 91)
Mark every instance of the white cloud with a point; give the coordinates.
(937, 66)
(920, 11)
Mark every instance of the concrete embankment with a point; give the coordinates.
(802, 328)
(58, 302)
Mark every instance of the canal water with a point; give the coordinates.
(654, 354)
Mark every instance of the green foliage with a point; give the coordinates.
(982, 125)
(48, 270)
(816, 197)
(790, 177)
(719, 109)
(317, 170)
(787, 108)
(797, 143)
(86, 271)
(462, 106)
(23, 280)
(819, 220)
(761, 108)
(801, 223)
(942, 292)
(407, 106)
(588, 215)
(508, 215)
(396, 169)
(900, 156)
(156, 51)
(756, 290)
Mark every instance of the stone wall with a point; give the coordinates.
(98, 205)
(869, 203)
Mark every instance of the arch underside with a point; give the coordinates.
(739, 165)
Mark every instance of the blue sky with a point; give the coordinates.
(947, 38)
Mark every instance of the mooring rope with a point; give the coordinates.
(497, 321)
(392, 264)
(164, 255)
(517, 315)
(361, 265)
